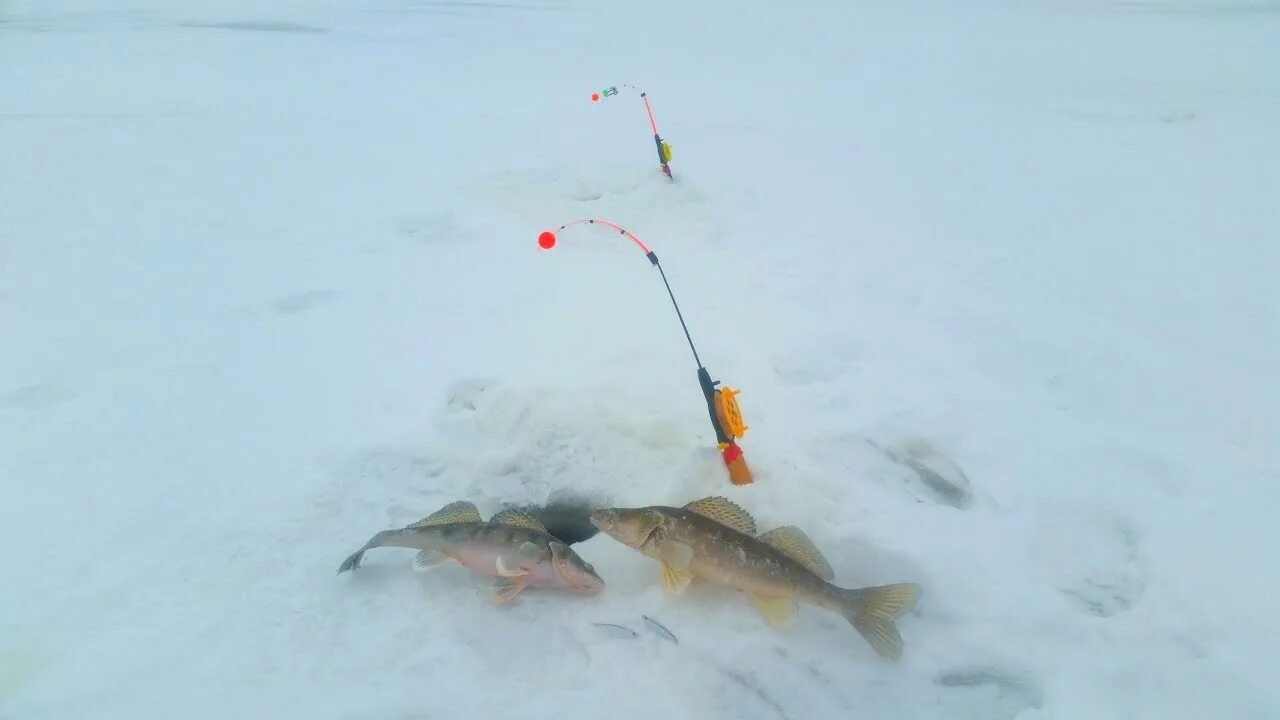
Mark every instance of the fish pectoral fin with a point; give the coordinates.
(506, 572)
(675, 580)
(428, 560)
(506, 589)
(780, 612)
(676, 559)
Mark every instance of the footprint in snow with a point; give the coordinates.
(995, 693)
(1112, 588)
(1094, 560)
(433, 228)
(301, 302)
(931, 470)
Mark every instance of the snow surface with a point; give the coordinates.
(268, 285)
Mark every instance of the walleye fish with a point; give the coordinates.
(512, 547)
(716, 540)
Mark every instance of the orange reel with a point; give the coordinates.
(728, 412)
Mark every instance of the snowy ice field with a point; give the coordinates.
(269, 284)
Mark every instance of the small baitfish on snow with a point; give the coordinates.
(716, 540)
(512, 547)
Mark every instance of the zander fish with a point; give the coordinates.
(512, 547)
(716, 540)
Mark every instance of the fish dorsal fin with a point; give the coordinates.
(462, 511)
(519, 518)
(797, 546)
(725, 512)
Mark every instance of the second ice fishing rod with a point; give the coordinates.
(722, 403)
(664, 147)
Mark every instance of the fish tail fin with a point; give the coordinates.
(872, 610)
(353, 561)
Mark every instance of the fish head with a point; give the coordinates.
(629, 526)
(576, 573)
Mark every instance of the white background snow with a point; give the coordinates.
(269, 284)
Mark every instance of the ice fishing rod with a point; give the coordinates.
(722, 403)
(664, 147)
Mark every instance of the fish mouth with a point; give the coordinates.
(594, 587)
(575, 573)
(583, 582)
(602, 519)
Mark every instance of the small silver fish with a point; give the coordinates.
(658, 628)
(619, 629)
(512, 547)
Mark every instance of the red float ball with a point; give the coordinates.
(547, 240)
